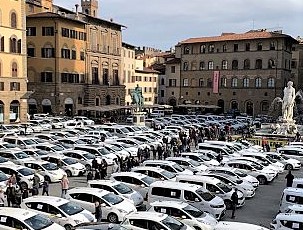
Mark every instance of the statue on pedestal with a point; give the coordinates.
(137, 98)
(288, 102)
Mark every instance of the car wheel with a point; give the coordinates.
(112, 218)
(68, 227)
(262, 180)
(21, 133)
(228, 204)
(24, 186)
(288, 167)
(88, 167)
(68, 173)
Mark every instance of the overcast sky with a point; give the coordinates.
(163, 23)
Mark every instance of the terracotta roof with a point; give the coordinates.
(54, 15)
(174, 61)
(146, 70)
(235, 37)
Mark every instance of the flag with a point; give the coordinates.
(216, 79)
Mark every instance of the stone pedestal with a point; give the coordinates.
(139, 118)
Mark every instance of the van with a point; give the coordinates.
(297, 183)
(193, 194)
(291, 196)
(214, 186)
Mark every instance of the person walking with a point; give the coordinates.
(104, 169)
(234, 202)
(36, 184)
(10, 194)
(97, 175)
(64, 186)
(289, 179)
(45, 187)
(98, 211)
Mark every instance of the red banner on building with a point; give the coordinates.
(216, 79)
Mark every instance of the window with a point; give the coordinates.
(162, 93)
(48, 31)
(64, 77)
(236, 47)
(202, 65)
(234, 64)
(185, 66)
(258, 82)
(293, 64)
(245, 82)
(73, 34)
(234, 82)
(271, 82)
(46, 76)
(15, 86)
(166, 192)
(162, 81)
(224, 48)
(223, 82)
(139, 223)
(247, 47)
(65, 53)
(271, 64)
(82, 56)
(185, 82)
(186, 50)
(224, 64)
(1, 89)
(74, 54)
(258, 64)
(201, 82)
(48, 52)
(211, 48)
(13, 20)
(31, 52)
(173, 69)
(259, 46)
(31, 31)
(13, 45)
(172, 82)
(210, 65)
(14, 69)
(272, 46)
(2, 44)
(209, 83)
(246, 64)
(65, 32)
(202, 49)
(188, 195)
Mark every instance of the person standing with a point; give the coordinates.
(234, 203)
(10, 194)
(36, 184)
(98, 211)
(64, 186)
(289, 179)
(45, 187)
(104, 169)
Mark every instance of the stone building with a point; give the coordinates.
(75, 62)
(13, 88)
(242, 72)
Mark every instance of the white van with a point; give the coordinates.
(214, 186)
(193, 194)
(291, 196)
(287, 221)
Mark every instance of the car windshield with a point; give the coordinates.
(21, 155)
(178, 168)
(26, 171)
(194, 163)
(207, 196)
(9, 146)
(124, 130)
(224, 187)
(112, 198)
(40, 152)
(240, 174)
(3, 176)
(168, 174)
(29, 142)
(57, 148)
(271, 159)
(69, 135)
(148, 180)
(172, 223)
(103, 151)
(258, 167)
(204, 157)
(69, 161)
(38, 222)
(50, 166)
(70, 208)
(123, 189)
(113, 147)
(80, 142)
(193, 211)
(89, 156)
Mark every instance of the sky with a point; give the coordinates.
(162, 24)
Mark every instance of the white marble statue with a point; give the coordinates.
(288, 102)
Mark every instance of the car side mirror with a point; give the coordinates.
(197, 200)
(162, 178)
(142, 185)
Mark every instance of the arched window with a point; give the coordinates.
(185, 66)
(210, 65)
(264, 106)
(193, 65)
(234, 64)
(13, 45)
(211, 48)
(1, 111)
(234, 82)
(246, 82)
(202, 65)
(246, 64)
(186, 50)
(258, 64)
(271, 64)
(271, 82)
(224, 64)
(14, 69)
(13, 20)
(202, 49)
(234, 105)
(259, 46)
(14, 111)
(201, 82)
(258, 82)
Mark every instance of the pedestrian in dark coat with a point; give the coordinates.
(289, 179)
(234, 202)
(97, 175)
(10, 194)
(94, 164)
(98, 211)
(45, 187)
(160, 152)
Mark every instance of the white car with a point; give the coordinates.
(168, 165)
(17, 218)
(289, 163)
(155, 172)
(120, 189)
(200, 158)
(84, 120)
(188, 163)
(70, 165)
(287, 221)
(114, 207)
(144, 220)
(61, 211)
(16, 156)
(50, 171)
(186, 213)
(228, 225)
(83, 157)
